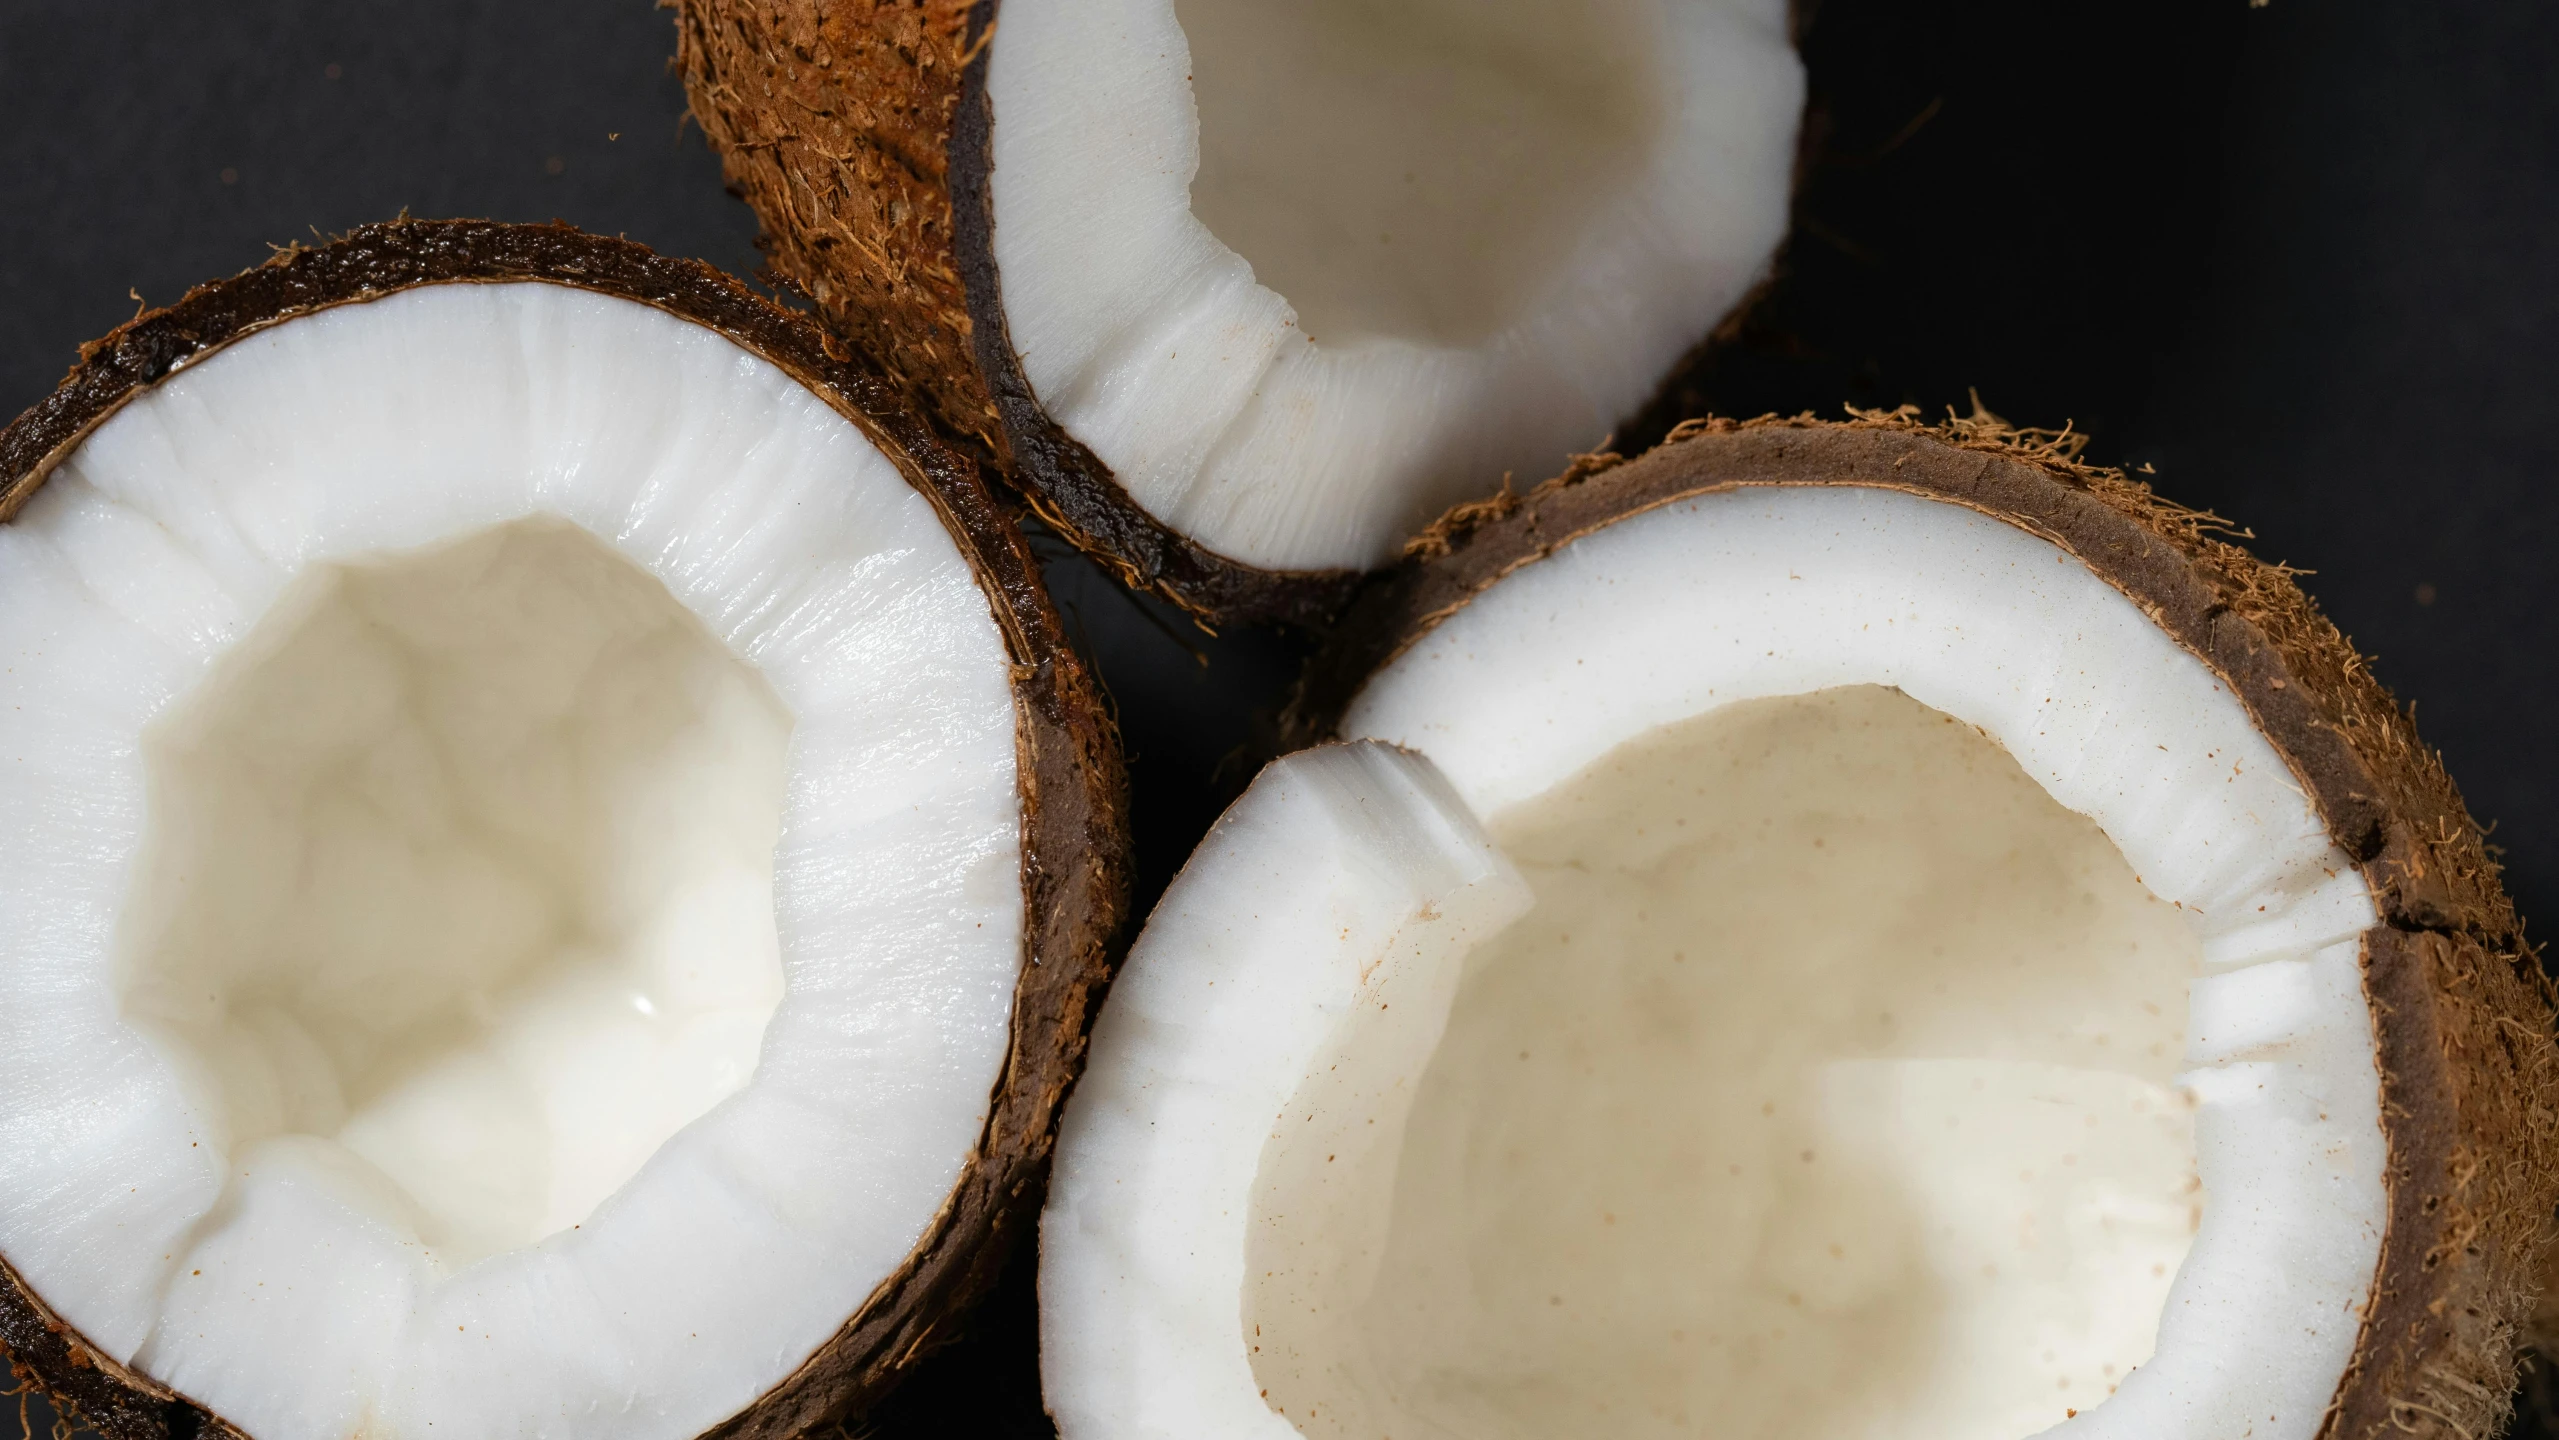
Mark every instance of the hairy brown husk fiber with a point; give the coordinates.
(1075, 856)
(2464, 1015)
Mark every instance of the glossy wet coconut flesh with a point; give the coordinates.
(1827, 1087)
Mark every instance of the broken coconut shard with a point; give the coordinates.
(1243, 294)
(563, 858)
(1855, 928)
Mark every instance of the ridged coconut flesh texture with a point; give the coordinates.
(520, 892)
(1784, 960)
(1262, 288)
(456, 873)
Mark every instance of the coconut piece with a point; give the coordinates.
(1360, 857)
(1242, 294)
(564, 857)
(1993, 962)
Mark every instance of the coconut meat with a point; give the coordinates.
(1301, 275)
(1932, 1009)
(520, 897)
(463, 860)
(1372, 875)
(1828, 1088)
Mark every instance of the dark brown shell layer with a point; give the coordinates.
(1075, 854)
(2463, 1013)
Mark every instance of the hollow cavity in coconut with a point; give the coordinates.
(1244, 293)
(1836, 929)
(564, 855)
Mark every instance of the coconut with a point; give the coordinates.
(1242, 294)
(1858, 929)
(562, 857)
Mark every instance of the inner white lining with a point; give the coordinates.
(1829, 1088)
(1347, 879)
(263, 1282)
(1437, 361)
(1790, 590)
(1241, 976)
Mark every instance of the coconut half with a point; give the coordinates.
(561, 858)
(1841, 929)
(1242, 294)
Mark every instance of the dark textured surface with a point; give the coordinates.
(2304, 258)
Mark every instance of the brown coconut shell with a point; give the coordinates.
(2463, 1012)
(1075, 842)
(861, 131)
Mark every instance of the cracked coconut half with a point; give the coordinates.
(1843, 930)
(1243, 293)
(558, 858)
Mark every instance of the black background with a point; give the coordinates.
(2303, 260)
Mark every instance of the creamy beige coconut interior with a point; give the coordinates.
(1421, 169)
(1801, 961)
(519, 888)
(462, 862)
(1828, 1088)
(1303, 274)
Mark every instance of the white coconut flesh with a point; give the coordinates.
(1301, 275)
(515, 898)
(1820, 962)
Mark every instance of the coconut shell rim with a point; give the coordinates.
(1075, 855)
(2463, 1014)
